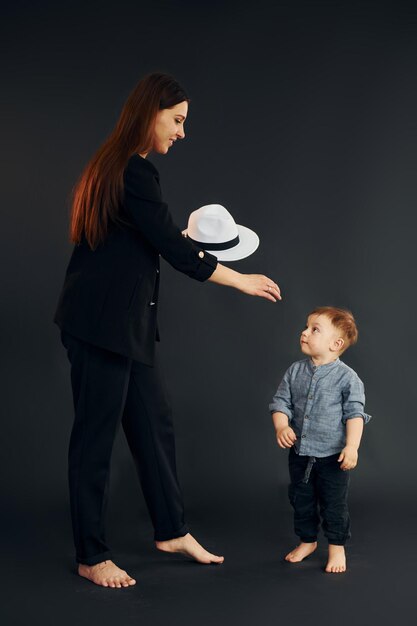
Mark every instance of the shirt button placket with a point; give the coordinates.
(308, 408)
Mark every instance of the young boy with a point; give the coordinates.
(318, 412)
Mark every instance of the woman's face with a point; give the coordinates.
(169, 126)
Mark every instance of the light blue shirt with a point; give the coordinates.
(318, 401)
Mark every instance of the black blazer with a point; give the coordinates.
(110, 295)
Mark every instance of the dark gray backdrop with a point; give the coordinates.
(303, 124)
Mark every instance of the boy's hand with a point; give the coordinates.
(286, 437)
(348, 457)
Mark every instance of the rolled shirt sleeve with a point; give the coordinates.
(145, 208)
(353, 400)
(282, 400)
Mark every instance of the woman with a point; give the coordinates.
(107, 316)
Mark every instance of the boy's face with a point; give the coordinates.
(320, 339)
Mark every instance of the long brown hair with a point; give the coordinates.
(98, 194)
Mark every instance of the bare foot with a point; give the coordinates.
(190, 547)
(337, 560)
(106, 574)
(301, 552)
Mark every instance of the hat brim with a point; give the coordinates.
(248, 243)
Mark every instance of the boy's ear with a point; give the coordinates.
(339, 343)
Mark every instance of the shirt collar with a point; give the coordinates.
(322, 368)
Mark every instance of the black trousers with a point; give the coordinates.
(319, 484)
(110, 389)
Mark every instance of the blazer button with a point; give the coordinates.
(157, 271)
(201, 254)
(152, 303)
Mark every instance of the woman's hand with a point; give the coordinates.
(259, 285)
(252, 284)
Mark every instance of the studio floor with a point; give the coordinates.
(254, 586)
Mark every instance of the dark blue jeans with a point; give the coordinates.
(318, 485)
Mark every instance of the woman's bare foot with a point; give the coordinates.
(106, 574)
(301, 552)
(190, 547)
(337, 560)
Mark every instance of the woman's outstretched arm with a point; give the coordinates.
(252, 284)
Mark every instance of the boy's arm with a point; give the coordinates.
(353, 400)
(285, 435)
(349, 455)
(354, 417)
(281, 409)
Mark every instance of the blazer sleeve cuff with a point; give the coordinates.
(206, 267)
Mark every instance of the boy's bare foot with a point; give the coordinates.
(337, 560)
(106, 574)
(301, 552)
(190, 547)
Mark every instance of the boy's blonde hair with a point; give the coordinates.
(343, 320)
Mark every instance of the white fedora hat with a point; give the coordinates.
(212, 228)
